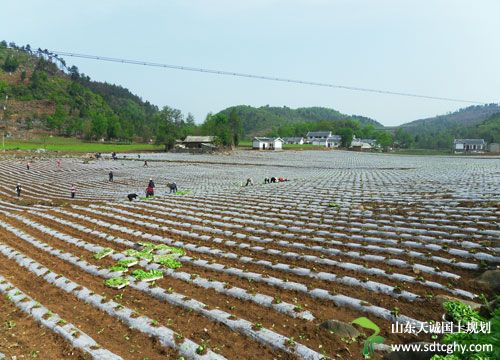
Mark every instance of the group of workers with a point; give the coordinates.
(149, 190)
(268, 180)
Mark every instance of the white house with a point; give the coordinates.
(323, 138)
(265, 143)
(293, 140)
(318, 137)
(333, 141)
(359, 145)
(469, 145)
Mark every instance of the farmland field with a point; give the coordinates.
(221, 270)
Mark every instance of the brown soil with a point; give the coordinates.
(219, 338)
(22, 336)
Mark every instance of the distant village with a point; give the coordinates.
(317, 138)
(325, 139)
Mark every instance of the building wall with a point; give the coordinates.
(320, 142)
(494, 147)
(266, 145)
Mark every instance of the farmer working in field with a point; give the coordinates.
(73, 191)
(111, 176)
(18, 189)
(172, 187)
(150, 190)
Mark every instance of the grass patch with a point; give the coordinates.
(64, 144)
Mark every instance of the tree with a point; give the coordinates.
(56, 121)
(114, 129)
(218, 125)
(190, 120)
(11, 63)
(99, 125)
(403, 138)
(367, 131)
(73, 73)
(384, 138)
(171, 126)
(235, 126)
(346, 135)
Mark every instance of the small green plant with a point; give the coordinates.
(10, 324)
(395, 311)
(201, 349)
(257, 326)
(373, 339)
(48, 315)
(290, 342)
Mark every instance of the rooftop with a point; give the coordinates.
(199, 139)
(469, 141)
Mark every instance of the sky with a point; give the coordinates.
(445, 48)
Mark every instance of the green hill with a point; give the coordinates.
(44, 95)
(480, 121)
(266, 120)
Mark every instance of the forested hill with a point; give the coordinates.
(44, 94)
(266, 119)
(480, 121)
(471, 115)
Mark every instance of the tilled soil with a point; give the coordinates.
(23, 337)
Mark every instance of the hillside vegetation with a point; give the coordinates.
(267, 120)
(480, 121)
(46, 95)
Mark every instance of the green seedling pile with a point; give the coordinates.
(461, 312)
(127, 262)
(167, 261)
(147, 253)
(117, 283)
(150, 275)
(152, 247)
(103, 253)
(464, 314)
(119, 267)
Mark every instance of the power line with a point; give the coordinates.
(260, 77)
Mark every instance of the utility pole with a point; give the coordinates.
(4, 108)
